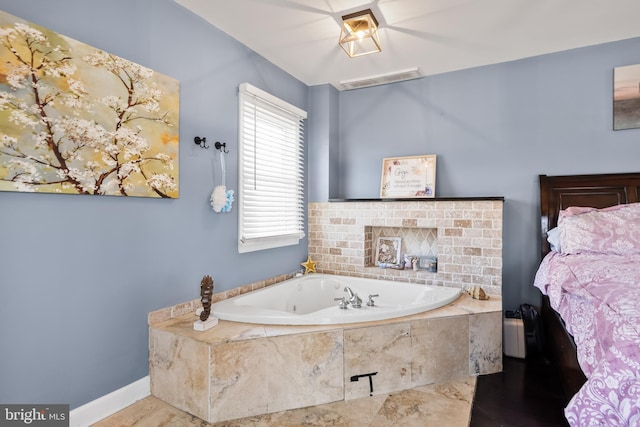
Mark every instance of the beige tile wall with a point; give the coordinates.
(468, 237)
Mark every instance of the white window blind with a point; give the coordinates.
(271, 171)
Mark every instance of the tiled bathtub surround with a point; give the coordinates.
(468, 239)
(236, 370)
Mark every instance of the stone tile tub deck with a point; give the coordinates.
(237, 370)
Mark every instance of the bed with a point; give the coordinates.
(591, 292)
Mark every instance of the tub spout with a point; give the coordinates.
(354, 299)
(349, 291)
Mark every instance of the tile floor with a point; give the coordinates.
(436, 405)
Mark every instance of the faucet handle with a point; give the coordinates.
(343, 303)
(371, 302)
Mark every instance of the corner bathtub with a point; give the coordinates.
(309, 300)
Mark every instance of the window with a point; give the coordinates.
(271, 171)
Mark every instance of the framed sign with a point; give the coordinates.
(408, 177)
(388, 250)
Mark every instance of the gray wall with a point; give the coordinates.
(494, 130)
(324, 142)
(78, 274)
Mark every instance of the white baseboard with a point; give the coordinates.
(109, 404)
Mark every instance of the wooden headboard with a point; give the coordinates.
(561, 192)
(597, 191)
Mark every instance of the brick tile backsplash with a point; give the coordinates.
(465, 236)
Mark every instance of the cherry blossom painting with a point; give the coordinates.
(77, 120)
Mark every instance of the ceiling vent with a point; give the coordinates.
(382, 79)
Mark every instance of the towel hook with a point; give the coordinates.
(222, 146)
(202, 142)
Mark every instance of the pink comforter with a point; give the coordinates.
(598, 296)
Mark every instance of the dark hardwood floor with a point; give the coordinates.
(527, 393)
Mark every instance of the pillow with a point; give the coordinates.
(614, 230)
(553, 237)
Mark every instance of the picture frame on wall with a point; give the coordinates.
(408, 177)
(626, 97)
(388, 250)
(90, 122)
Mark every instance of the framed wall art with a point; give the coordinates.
(626, 97)
(388, 250)
(77, 120)
(408, 177)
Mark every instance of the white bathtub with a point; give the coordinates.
(309, 300)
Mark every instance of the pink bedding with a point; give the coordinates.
(614, 230)
(598, 296)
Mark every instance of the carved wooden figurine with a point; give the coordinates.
(206, 292)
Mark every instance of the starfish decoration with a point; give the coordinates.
(309, 265)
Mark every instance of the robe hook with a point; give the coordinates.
(202, 142)
(222, 146)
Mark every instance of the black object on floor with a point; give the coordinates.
(527, 393)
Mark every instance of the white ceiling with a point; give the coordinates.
(300, 36)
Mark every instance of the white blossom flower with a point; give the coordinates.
(127, 169)
(21, 118)
(62, 69)
(161, 182)
(17, 76)
(109, 161)
(110, 186)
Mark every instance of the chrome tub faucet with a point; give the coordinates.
(354, 299)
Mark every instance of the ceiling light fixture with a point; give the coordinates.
(359, 34)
